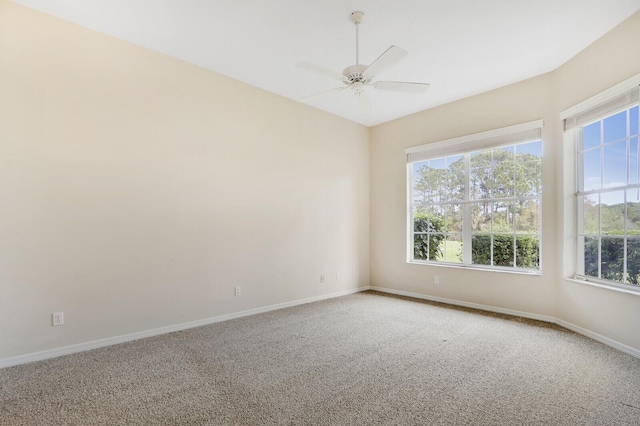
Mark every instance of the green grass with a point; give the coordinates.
(451, 251)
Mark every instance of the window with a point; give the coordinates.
(608, 198)
(607, 186)
(477, 200)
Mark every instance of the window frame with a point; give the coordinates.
(612, 101)
(581, 192)
(465, 146)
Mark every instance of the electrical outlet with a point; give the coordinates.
(436, 279)
(321, 278)
(237, 290)
(58, 318)
(337, 276)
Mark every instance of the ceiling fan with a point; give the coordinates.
(358, 77)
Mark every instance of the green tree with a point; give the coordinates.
(501, 174)
(526, 250)
(494, 174)
(427, 246)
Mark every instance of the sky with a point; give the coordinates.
(610, 154)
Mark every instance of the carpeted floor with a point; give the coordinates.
(364, 359)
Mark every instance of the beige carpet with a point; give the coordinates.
(364, 359)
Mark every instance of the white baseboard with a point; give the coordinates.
(467, 304)
(583, 331)
(66, 350)
(600, 338)
(94, 344)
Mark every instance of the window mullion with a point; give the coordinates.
(601, 148)
(411, 231)
(624, 240)
(599, 235)
(466, 212)
(624, 213)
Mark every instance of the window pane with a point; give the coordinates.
(438, 163)
(504, 179)
(421, 247)
(633, 261)
(421, 191)
(633, 212)
(633, 160)
(480, 171)
(427, 246)
(527, 252)
(481, 217)
(615, 164)
(420, 223)
(612, 213)
(529, 151)
(591, 135)
(433, 211)
(436, 247)
(503, 217)
(455, 177)
(418, 210)
(431, 222)
(527, 215)
(591, 217)
(504, 153)
(453, 218)
(591, 256)
(633, 121)
(503, 172)
(591, 173)
(612, 258)
(528, 180)
(481, 249)
(429, 182)
(615, 127)
(453, 249)
(503, 250)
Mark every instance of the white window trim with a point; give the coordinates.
(616, 98)
(519, 133)
(594, 103)
(516, 134)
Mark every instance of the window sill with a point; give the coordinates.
(478, 268)
(612, 287)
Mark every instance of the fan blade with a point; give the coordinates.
(384, 61)
(364, 104)
(401, 86)
(324, 92)
(320, 70)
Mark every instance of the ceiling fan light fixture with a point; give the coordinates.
(358, 77)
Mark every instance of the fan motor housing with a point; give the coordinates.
(355, 74)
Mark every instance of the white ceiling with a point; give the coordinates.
(461, 47)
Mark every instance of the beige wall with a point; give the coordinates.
(523, 102)
(605, 312)
(137, 190)
(609, 61)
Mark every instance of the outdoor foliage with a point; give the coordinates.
(613, 259)
(526, 251)
(427, 246)
(615, 225)
(504, 190)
